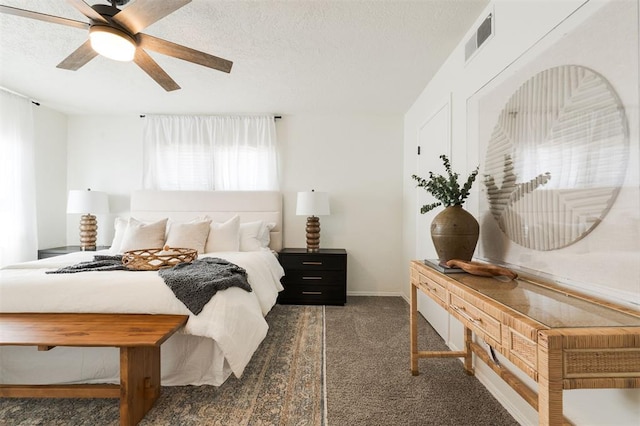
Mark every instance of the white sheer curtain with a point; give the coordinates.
(18, 226)
(210, 152)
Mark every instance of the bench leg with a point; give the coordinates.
(139, 382)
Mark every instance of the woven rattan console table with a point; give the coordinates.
(559, 338)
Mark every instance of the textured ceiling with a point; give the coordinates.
(290, 57)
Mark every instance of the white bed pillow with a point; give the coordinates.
(224, 236)
(254, 236)
(140, 235)
(120, 226)
(265, 237)
(191, 235)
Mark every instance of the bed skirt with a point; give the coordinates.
(185, 360)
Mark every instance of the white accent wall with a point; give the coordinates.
(518, 26)
(104, 154)
(357, 159)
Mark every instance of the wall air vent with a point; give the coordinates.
(481, 35)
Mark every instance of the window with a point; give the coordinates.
(207, 153)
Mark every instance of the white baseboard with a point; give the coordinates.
(406, 298)
(375, 293)
(515, 405)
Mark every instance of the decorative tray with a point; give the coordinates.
(157, 258)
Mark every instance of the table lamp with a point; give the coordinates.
(313, 204)
(87, 202)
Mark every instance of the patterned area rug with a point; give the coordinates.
(282, 385)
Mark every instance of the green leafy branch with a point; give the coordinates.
(445, 189)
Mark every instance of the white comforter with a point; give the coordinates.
(233, 318)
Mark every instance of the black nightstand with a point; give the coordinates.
(57, 251)
(314, 278)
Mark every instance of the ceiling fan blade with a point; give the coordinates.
(43, 17)
(79, 57)
(87, 11)
(182, 52)
(152, 68)
(142, 13)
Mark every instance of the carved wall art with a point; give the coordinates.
(556, 158)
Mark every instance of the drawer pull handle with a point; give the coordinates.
(312, 292)
(465, 315)
(311, 278)
(312, 263)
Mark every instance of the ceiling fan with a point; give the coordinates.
(115, 33)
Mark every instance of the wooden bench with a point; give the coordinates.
(138, 336)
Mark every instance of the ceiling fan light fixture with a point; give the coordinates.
(112, 43)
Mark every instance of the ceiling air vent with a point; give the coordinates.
(482, 34)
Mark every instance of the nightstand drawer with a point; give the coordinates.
(313, 294)
(311, 261)
(315, 277)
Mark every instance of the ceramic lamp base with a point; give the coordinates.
(88, 232)
(313, 234)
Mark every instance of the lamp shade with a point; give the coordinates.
(313, 203)
(81, 201)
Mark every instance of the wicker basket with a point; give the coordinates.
(157, 258)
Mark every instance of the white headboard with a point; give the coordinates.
(218, 205)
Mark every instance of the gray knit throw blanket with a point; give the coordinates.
(99, 263)
(194, 284)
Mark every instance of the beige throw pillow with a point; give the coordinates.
(140, 235)
(191, 235)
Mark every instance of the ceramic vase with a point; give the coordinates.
(454, 232)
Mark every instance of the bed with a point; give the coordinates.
(215, 343)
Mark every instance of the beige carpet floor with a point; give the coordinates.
(368, 372)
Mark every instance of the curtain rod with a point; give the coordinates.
(20, 94)
(275, 117)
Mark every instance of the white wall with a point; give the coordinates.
(356, 159)
(51, 176)
(104, 154)
(518, 26)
